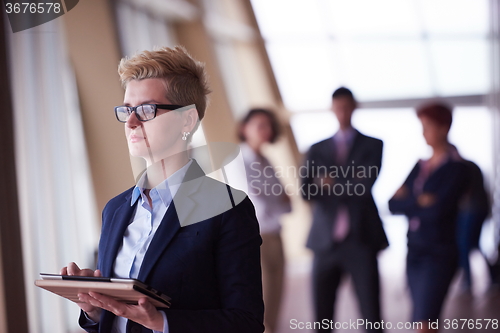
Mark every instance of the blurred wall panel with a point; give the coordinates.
(94, 51)
(218, 124)
(13, 313)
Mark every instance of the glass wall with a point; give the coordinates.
(388, 49)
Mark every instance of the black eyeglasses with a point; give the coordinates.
(143, 112)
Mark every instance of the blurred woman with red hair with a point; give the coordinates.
(430, 199)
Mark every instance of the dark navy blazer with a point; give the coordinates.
(437, 223)
(209, 267)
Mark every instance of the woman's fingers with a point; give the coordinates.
(86, 304)
(118, 308)
(87, 272)
(146, 306)
(152, 317)
(143, 313)
(73, 269)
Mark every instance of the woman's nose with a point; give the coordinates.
(133, 121)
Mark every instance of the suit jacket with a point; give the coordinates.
(436, 232)
(205, 255)
(355, 178)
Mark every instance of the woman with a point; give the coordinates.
(429, 198)
(182, 233)
(260, 127)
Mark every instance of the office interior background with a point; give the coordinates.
(64, 155)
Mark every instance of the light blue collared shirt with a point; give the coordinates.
(141, 230)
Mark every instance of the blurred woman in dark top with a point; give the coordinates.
(430, 198)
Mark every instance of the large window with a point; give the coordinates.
(382, 50)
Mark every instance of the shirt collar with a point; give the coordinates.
(173, 182)
(345, 135)
(451, 155)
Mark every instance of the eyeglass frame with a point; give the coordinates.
(169, 107)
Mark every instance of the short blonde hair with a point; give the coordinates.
(185, 78)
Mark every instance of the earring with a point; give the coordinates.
(185, 135)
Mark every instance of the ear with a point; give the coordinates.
(190, 119)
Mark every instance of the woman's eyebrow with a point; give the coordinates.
(149, 101)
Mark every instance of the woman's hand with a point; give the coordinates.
(143, 313)
(93, 312)
(426, 200)
(324, 181)
(401, 192)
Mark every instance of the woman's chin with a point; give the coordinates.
(136, 153)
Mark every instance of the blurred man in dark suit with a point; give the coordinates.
(347, 231)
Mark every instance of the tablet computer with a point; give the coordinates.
(124, 290)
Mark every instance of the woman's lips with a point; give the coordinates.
(135, 138)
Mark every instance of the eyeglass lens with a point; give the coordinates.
(144, 112)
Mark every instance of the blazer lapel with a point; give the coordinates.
(120, 221)
(330, 153)
(170, 223)
(163, 236)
